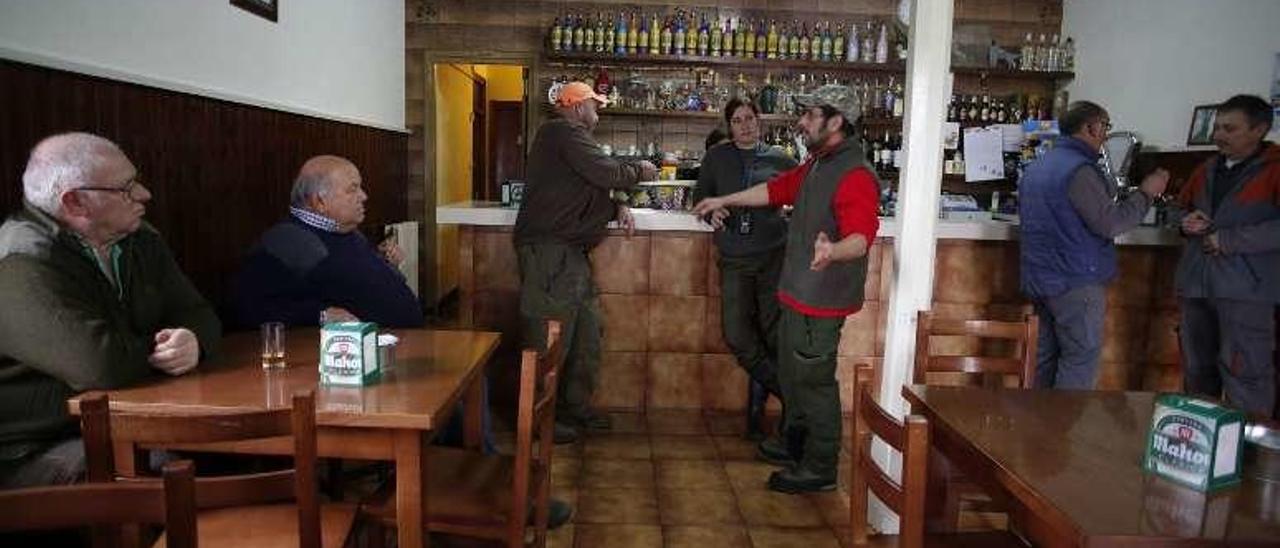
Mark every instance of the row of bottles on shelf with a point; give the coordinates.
(687, 33)
(1047, 55)
(986, 109)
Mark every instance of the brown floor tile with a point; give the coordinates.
(567, 451)
(683, 448)
(697, 507)
(772, 537)
(705, 537)
(676, 421)
(748, 476)
(691, 474)
(638, 506)
(834, 507)
(617, 446)
(771, 509)
(561, 537)
(598, 473)
(733, 448)
(566, 472)
(727, 424)
(628, 423)
(565, 494)
(618, 536)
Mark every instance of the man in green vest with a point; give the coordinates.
(824, 270)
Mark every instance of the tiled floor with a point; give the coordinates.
(675, 479)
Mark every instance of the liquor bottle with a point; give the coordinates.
(784, 40)
(655, 36)
(771, 41)
(984, 112)
(691, 35)
(603, 83)
(1002, 112)
(803, 54)
(739, 38)
(869, 43)
(704, 38)
(889, 99)
(588, 35)
(1069, 55)
(1055, 55)
(762, 40)
(610, 32)
(1027, 60)
(749, 39)
(620, 38)
(899, 101)
(717, 38)
(897, 153)
(677, 35)
(666, 37)
(556, 33)
(768, 95)
(633, 36)
(974, 111)
(793, 49)
(642, 37)
(882, 45)
(1042, 54)
(816, 44)
(579, 35)
(855, 45)
(837, 43)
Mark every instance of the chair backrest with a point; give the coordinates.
(1022, 364)
(910, 437)
(169, 501)
(103, 430)
(535, 426)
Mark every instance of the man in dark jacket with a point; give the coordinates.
(92, 299)
(1229, 275)
(564, 214)
(1069, 217)
(316, 260)
(824, 271)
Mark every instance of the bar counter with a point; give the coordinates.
(659, 294)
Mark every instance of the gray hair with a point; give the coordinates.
(63, 163)
(308, 184)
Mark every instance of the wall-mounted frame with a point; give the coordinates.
(267, 9)
(1201, 131)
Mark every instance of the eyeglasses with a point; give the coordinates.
(128, 191)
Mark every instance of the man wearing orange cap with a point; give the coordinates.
(563, 215)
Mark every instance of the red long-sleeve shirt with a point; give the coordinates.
(854, 206)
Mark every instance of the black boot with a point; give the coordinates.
(757, 396)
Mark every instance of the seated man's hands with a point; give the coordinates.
(338, 314)
(177, 351)
(391, 252)
(712, 210)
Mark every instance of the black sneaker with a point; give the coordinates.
(564, 434)
(774, 451)
(558, 513)
(799, 479)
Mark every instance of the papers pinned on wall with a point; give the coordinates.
(984, 160)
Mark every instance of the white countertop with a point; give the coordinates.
(494, 214)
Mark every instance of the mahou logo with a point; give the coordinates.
(342, 356)
(1183, 443)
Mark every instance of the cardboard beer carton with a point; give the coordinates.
(1195, 443)
(349, 353)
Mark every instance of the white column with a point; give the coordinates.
(911, 290)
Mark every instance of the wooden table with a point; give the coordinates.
(1069, 463)
(391, 420)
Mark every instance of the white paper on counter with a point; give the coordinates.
(1013, 136)
(983, 160)
(950, 135)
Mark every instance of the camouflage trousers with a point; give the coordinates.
(556, 283)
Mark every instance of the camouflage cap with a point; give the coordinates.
(836, 96)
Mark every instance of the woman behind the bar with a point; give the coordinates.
(750, 245)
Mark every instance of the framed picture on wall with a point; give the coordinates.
(267, 9)
(1201, 132)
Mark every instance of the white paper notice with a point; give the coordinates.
(950, 135)
(1013, 136)
(982, 157)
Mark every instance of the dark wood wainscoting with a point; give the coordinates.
(220, 172)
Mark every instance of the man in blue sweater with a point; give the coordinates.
(315, 260)
(1069, 215)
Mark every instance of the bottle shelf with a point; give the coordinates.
(645, 59)
(699, 114)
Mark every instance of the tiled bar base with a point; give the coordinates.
(659, 291)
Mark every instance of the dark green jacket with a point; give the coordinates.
(64, 328)
(727, 169)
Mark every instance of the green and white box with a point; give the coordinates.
(349, 353)
(1195, 442)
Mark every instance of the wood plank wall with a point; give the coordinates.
(220, 172)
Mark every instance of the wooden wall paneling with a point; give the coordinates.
(219, 172)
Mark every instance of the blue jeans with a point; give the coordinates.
(1070, 340)
(1228, 345)
(62, 463)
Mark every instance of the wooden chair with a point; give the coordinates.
(1023, 335)
(264, 509)
(169, 501)
(489, 496)
(906, 498)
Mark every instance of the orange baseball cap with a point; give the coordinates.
(576, 92)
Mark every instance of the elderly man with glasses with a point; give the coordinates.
(92, 299)
(1070, 215)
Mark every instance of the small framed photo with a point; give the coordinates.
(267, 9)
(1201, 132)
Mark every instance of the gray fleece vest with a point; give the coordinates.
(840, 284)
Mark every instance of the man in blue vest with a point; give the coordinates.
(1069, 214)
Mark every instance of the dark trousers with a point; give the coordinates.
(1070, 339)
(1229, 344)
(556, 283)
(807, 373)
(749, 313)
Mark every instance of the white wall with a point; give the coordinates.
(1150, 62)
(336, 59)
